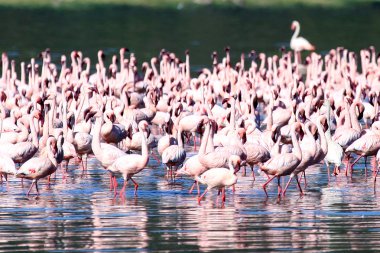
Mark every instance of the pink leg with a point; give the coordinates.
(304, 179)
(195, 143)
(355, 161)
(6, 179)
(200, 198)
(298, 183)
(192, 187)
(348, 166)
(38, 192)
(198, 190)
(328, 169)
(336, 170)
(253, 173)
(279, 186)
(122, 191)
(114, 183)
(266, 183)
(30, 189)
(136, 185)
(155, 157)
(377, 172)
(223, 194)
(287, 184)
(82, 162)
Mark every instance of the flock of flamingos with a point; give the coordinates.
(274, 113)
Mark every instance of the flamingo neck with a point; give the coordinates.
(297, 150)
(34, 133)
(322, 136)
(296, 32)
(95, 144)
(50, 153)
(144, 150)
(354, 119)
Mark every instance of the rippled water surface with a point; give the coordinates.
(80, 214)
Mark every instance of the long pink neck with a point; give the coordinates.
(296, 150)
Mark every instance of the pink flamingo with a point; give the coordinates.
(40, 167)
(220, 177)
(284, 164)
(299, 44)
(130, 165)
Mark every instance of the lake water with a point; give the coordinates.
(80, 214)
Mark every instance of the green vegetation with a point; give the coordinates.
(185, 3)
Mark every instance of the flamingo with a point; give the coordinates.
(220, 177)
(193, 168)
(334, 150)
(284, 164)
(299, 44)
(174, 155)
(130, 165)
(366, 145)
(40, 167)
(7, 166)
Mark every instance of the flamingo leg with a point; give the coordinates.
(6, 178)
(304, 179)
(328, 169)
(85, 160)
(253, 173)
(155, 157)
(192, 187)
(298, 183)
(279, 186)
(122, 191)
(81, 160)
(30, 188)
(198, 190)
(355, 161)
(136, 185)
(195, 142)
(200, 198)
(223, 194)
(336, 170)
(266, 183)
(38, 192)
(287, 184)
(114, 185)
(348, 165)
(377, 172)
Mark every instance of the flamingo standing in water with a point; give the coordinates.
(7, 166)
(299, 44)
(220, 177)
(130, 165)
(39, 167)
(284, 164)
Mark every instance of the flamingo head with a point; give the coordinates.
(297, 127)
(294, 25)
(235, 162)
(324, 123)
(360, 108)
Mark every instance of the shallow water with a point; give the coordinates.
(79, 214)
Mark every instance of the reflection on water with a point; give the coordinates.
(80, 214)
